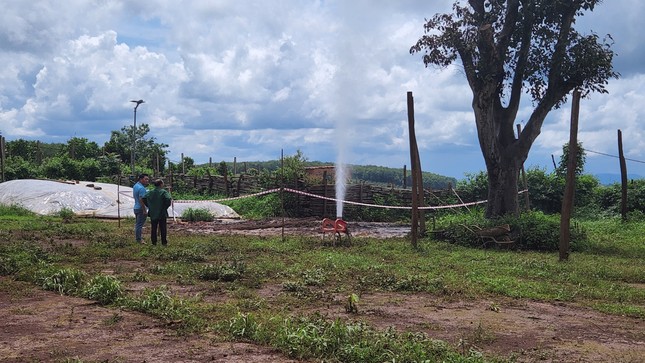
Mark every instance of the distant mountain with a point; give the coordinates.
(611, 178)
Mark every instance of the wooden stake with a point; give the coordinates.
(569, 189)
(413, 158)
(623, 178)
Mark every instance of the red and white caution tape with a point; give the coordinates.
(460, 205)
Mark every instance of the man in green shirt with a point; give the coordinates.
(158, 200)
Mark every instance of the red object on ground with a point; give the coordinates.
(335, 227)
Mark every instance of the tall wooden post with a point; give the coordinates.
(183, 164)
(324, 210)
(171, 176)
(413, 162)
(405, 177)
(623, 178)
(235, 165)
(2, 156)
(569, 189)
(282, 188)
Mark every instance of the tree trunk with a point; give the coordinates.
(502, 154)
(502, 189)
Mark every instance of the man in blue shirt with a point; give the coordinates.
(140, 211)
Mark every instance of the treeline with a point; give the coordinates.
(380, 175)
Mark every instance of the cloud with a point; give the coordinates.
(247, 80)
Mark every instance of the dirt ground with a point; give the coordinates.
(42, 326)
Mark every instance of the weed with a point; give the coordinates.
(482, 334)
(352, 304)
(158, 302)
(242, 326)
(114, 319)
(220, 272)
(140, 277)
(15, 210)
(104, 289)
(315, 338)
(65, 281)
(197, 214)
(315, 277)
(66, 214)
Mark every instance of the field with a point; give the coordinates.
(82, 291)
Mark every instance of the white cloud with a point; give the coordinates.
(247, 79)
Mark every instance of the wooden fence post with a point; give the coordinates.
(415, 187)
(569, 189)
(623, 178)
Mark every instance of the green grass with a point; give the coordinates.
(606, 275)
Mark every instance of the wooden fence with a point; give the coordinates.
(306, 206)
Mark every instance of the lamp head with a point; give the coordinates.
(138, 102)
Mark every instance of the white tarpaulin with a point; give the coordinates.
(89, 199)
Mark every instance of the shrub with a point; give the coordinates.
(197, 214)
(263, 206)
(216, 272)
(104, 289)
(65, 281)
(533, 230)
(15, 210)
(66, 214)
(540, 232)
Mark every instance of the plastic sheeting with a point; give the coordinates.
(89, 199)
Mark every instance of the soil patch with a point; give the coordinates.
(44, 326)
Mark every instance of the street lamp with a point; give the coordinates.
(134, 133)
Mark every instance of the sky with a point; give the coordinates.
(251, 80)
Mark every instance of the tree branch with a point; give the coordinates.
(561, 45)
(522, 59)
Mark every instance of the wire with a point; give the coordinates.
(614, 156)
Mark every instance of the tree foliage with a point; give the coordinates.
(146, 148)
(508, 48)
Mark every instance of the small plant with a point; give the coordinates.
(315, 277)
(113, 320)
(15, 210)
(66, 214)
(140, 277)
(197, 215)
(243, 326)
(65, 281)
(352, 304)
(104, 289)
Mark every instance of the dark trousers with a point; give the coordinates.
(163, 229)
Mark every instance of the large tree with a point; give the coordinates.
(509, 48)
(147, 148)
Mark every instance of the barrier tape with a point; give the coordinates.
(295, 191)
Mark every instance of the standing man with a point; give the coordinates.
(158, 200)
(140, 212)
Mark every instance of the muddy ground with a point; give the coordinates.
(41, 326)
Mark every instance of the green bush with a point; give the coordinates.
(532, 230)
(540, 232)
(264, 206)
(66, 214)
(20, 257)
(197, 214)
(15, 210)
(217, 272)
(65, 281)
(104, 289)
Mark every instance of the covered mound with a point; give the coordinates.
(89, 199)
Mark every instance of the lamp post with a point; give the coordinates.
(134, 133)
